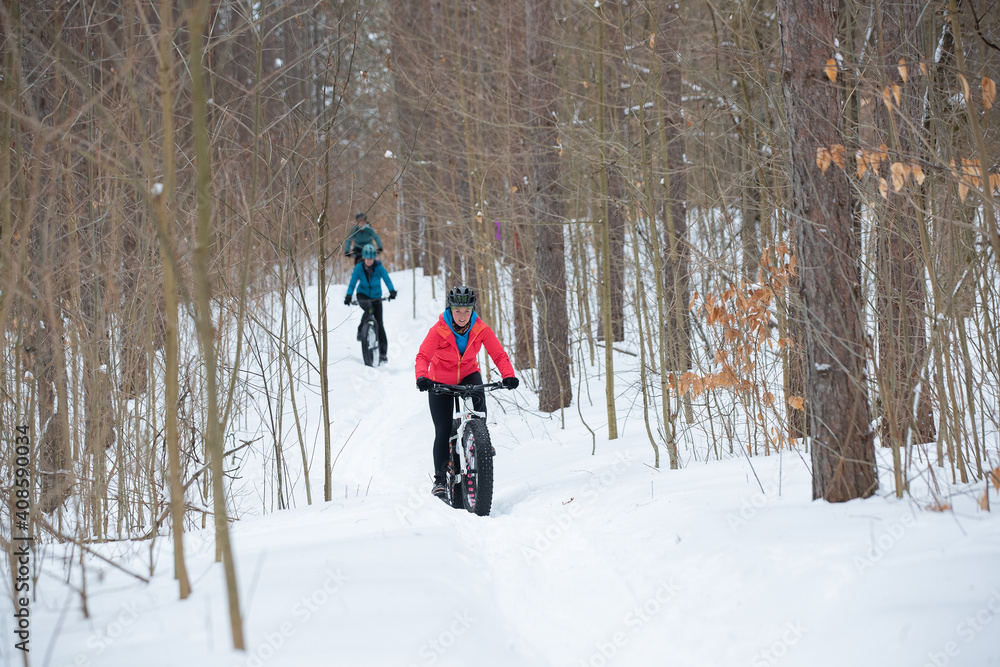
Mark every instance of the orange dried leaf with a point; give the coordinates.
(875, 158)
(797, 402)
(984, 502)
(971, 167)
(989, 92)
(837, 154)
(862, 158)
(887, 97)
(896, 93)
(831, 69)
(883, 188)
(902, 69)
(963, 191)
(823, 158)
(923, 68)
(898, 176)
(768, 398)
(965, 85)
(918, 174)
(995, 478)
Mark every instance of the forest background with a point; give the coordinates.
(792, 202)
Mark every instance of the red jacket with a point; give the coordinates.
(439, 360)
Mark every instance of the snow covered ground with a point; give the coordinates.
(586, 560)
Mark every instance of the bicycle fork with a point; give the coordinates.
(463, 416)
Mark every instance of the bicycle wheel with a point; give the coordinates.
(455, 498)
(369, 341)
(477, 486)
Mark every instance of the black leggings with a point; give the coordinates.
(376, 306)
(442, 412)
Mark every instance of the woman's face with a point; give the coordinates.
(369, 261)
(461, 315)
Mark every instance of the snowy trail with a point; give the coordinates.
(585, 561)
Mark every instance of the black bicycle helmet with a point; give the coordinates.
(462, 297)
(361, 217)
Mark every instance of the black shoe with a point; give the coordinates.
(440, 489)
(359, 334)
(383, 360)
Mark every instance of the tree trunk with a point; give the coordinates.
(555, 390)
(677, 334)
(206, 334)
(608, 289)
(164, 204)
(613, 146)
(899, 266)
(843, 456)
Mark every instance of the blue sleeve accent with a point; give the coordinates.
(385, 277)
(354, 280)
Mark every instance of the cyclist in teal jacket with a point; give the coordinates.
(360, 236)
(369, 276)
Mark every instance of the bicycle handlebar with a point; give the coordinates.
(462, 390)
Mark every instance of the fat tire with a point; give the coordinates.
(367, 351)
(478, 483)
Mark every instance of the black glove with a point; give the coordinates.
(347, 300)
(511, 382)
(392, 294)
(423, 384)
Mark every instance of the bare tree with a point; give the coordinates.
(843, 455)
(555, 391)
(906, 412)
(206, 334)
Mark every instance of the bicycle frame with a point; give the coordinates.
(366, 309)
(464, 412)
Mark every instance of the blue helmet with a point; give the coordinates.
(369, 251)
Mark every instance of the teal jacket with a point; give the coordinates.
(369, 287)
(360, 237)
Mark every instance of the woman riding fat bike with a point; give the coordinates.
(448, 355)
(369, 276)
